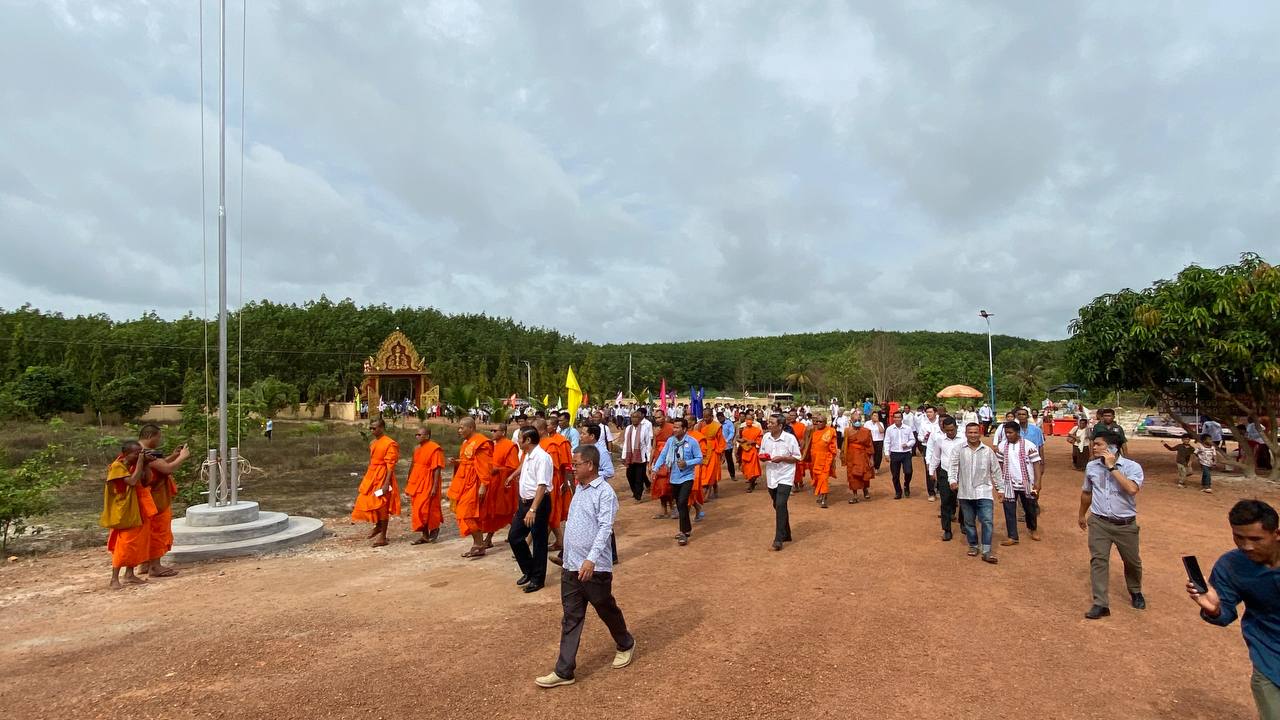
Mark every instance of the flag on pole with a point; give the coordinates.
(511, 401)
(546, 401)
(662, 398)
(619, 398)
(575, 393)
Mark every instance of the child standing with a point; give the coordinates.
(1207, 454)
(1184, 451)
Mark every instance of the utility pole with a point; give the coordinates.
(628, 374)
(528, 370)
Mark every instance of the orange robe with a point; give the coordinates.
(424, 496)
(383, 455)
(749, 457)
(500, 502)
(475, 468)
(163, 488)
(822, 455)
(557, 446)
(714, 433)
(130, 546)
(700, 473)
(800, 429)
(661, 486)
(858, 451)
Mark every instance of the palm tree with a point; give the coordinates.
(1025, 374)
(798, 375)
(459, 399)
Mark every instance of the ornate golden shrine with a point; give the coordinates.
(397, 358)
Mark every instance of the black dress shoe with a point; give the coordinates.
(1139, 602)
(1097, 611)
(946, 537)
(533, 587)
(897, 497)
(524, 580)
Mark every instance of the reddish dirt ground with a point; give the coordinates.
(867, 614)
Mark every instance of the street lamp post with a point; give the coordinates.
(528, 377)
(991, 363)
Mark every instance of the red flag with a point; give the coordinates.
(662, 403)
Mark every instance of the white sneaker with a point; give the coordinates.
(622, 658)
(553, 680)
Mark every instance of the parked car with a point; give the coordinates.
(1164, 426)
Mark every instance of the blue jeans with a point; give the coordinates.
(981, 510)
(1206, 477)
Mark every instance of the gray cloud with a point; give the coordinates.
(652, 165)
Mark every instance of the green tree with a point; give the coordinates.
(28, 490)
(270, 395)
(1024, 371)
(45, 391)
(127, 395)
(1218, 329)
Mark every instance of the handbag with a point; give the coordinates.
(120, 510)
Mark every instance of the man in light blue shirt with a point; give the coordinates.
(569, 431)
(1109, 512)
(1029, 430)
(683, 456)
(587, 574)
(729, 432)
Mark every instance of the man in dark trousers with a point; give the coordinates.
(533, 513)
(587, 575)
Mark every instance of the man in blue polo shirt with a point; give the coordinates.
(683, 456)
(1250, 574)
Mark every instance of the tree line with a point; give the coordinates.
(313, 353)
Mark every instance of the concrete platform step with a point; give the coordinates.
(298, 530)
(205, 516)
(267, 523)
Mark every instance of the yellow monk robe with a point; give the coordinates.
(475, 467)
(163, 488)
(128, 546)
(700, 473)
(383, 455)
(800, 429)
(661, 486)
(749, 459)
(500, 501)
(714, 434)
(858, 451)
(424, 497)
(822, 455)
(558, 447)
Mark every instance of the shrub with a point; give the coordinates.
(28, 491)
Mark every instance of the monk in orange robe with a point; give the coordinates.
(858, 452)
(163, 489)
(800, 430)
(379, 497)
(714, 433)
(127, 509)
(502, 499)
(423, 487)
(698, 495)
(557, 446)
(660, 485)
(748, 442)
(472, 476)
(822, 454)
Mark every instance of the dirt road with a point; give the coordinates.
(867, 614)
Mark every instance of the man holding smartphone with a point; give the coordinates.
(1250, 574)
(1109, 511)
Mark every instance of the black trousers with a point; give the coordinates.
(574, 597)
(878, 452)
(900, 462)
(782, 518)
(728, 462)
(1030, 508)
(682, 492)
(638, 479)
(532, 563)
(949, 500)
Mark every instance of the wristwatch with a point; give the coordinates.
(1111, 468)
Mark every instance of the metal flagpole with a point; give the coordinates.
(991, 363)
(221, 496)
(628, 373)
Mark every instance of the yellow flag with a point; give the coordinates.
(575, 394)
(546, 401)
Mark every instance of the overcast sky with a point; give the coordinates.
(627, 170)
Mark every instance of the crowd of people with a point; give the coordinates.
(550, 482)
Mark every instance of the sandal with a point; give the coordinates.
(853, 501)
(474, 552)
(418, 541)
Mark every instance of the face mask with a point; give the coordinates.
(857, 424)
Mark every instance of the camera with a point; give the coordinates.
(154, 454)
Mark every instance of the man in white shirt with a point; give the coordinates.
(842, 422)
(530, 521)
(972, 474)
(984, 417)
(926, 428)
(943, 445)
(637, 442)
(779, 453)
(1020, 468)
(898, 442)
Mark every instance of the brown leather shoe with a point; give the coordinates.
(1009, 541)
(1035, 536)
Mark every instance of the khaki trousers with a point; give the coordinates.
(1102, 535)
(1266, 696)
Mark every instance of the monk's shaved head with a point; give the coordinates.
(468, 423)
(540, 424)
(378, 422)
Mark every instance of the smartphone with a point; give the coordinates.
(1194, 575)
(379, 493)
